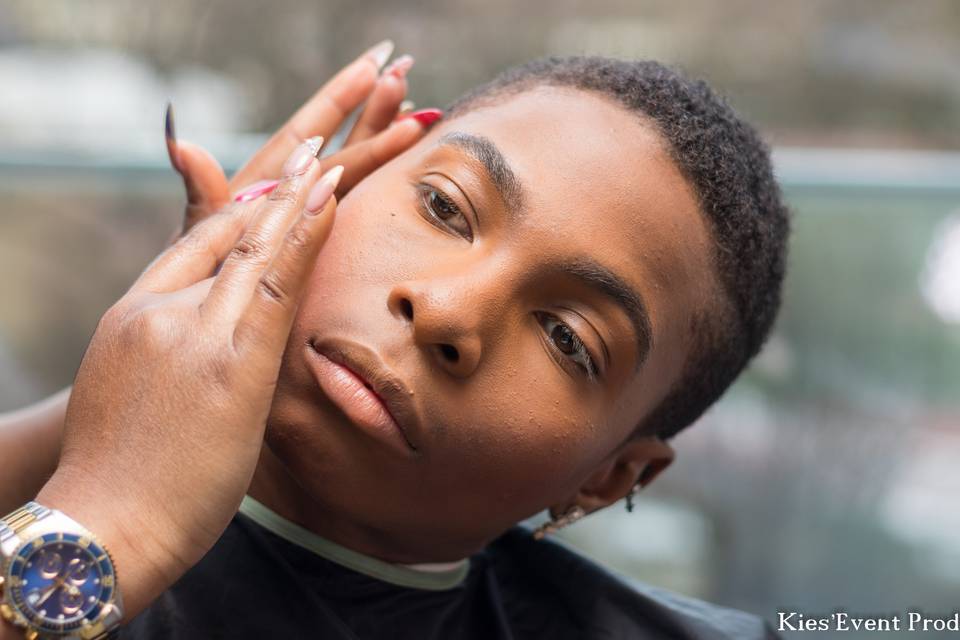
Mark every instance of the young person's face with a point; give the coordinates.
(510, 422)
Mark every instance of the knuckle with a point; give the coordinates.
(270, 287)
(148, 323)
(286, 194)
(114, 316)
(298, 240)
(250, 248)
(146, 329)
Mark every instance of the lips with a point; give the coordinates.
(355, 378)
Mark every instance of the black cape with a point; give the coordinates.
(256, 584)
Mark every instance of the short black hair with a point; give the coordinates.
(729, 168)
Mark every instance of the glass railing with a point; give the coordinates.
(825, 479)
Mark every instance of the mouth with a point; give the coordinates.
(371, 396)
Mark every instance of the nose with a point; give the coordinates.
(445, 323)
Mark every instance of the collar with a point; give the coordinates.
(434, 576)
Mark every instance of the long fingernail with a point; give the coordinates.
(299, 161)
(425, 117)
(406, 108)
(321, 192)
(380, 52)
(399, 67)
(256, 190)
(170, 134)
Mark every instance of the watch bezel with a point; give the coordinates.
(13, 595)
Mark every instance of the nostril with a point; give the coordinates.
(450, 352)
(407, 308)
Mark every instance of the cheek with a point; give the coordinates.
(362, 255)
(373, 237)
(348, 277)
(522, 434)
(360, 244)
(515, 439)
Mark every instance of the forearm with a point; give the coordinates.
(29, 448)
(147, 569)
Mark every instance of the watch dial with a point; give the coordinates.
(60, 580)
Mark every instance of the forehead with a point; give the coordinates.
(600, 172)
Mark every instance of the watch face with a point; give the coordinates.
(60, 581)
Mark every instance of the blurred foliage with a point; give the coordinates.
(858, 72)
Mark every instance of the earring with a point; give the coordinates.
(634, 491)
(573, 514)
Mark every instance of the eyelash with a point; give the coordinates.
(426, 209)
(586, 362)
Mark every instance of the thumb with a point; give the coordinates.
(204, 181)
(203, 178)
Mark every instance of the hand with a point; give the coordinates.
(166, 420)
(376, 137)
(372, 142)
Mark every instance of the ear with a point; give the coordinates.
(637, 460)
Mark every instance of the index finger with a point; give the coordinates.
(265, 324)
(321, 115)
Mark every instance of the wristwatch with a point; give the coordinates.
(57, 581)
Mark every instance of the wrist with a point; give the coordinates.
(39, 430)
(8, 631)
(140, 576)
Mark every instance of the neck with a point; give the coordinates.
(274, 487)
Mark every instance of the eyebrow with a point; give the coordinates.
(484, 151)
(584, 269)
(608, 283)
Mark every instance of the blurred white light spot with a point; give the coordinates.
(101, 99)
(664, 542)
(940, 280)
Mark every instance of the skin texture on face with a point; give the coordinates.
(466, 311)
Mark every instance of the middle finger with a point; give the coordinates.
(234, 284)
(321, 115)
(384, 103)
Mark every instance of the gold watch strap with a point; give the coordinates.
(15, 522)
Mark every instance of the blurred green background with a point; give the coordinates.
(826, 479)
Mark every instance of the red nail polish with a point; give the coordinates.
(256, 190)
(425, 117)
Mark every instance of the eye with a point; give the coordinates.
(436, 205)
(569, 344)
